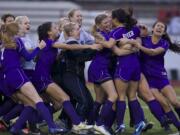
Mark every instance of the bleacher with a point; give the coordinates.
(39, 12)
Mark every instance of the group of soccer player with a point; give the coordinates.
(44, 77)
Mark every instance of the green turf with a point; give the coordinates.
(157, 130)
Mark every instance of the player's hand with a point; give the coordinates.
(42, 44)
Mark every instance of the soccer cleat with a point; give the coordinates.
(148, 125)
(42, 124)
(120, 128)
(57, 130)
(34, 130)
(3, 125)
(102, 129)
(2, 128)
(64, 124)
(81, 128)
(13, 131)
(139, 127)
(165, 124)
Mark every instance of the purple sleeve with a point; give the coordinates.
(23, 52)
(29, 56)
(115, 35)
(165, 45)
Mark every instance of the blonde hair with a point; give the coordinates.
(71, 13)
(8, 31)
(98, 21)
(19, 19)
(69, 27)
(62, 21)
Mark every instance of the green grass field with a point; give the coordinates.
(157, 130)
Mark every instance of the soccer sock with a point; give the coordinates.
(121, 108)
(44, 112)
(111, 118)
(177, 111)
(50, 108)
(141, 111)
(93, 115)
(136, 111)
(6, 107)
(68, 108)
(130, 115)
(13, 113)
(156, 110)
(174, 119)
(105, 112)
(24, 116)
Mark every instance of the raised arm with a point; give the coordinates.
(151, 52)
(107, 44)
(29, 56)
(77, 46)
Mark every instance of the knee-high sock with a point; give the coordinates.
(136, 111)
(16, 111)
(105, 112)
(174, 119)
(177, 111)
(121, 108)
(68, 108)
(44, 112)
(94, 113)
(109, 122)
(24, 116)
(6, 107)
(156, 110)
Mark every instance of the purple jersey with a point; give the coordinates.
(14, 76)
(103, 57)
(98, 70)
(122, 32)
(153, 65)
(42, 75)
(11, 58)
(46, 58)
(127, 67)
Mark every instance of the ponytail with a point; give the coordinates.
(124, 17)
(174, 47)
(43, 30)
(130, 21)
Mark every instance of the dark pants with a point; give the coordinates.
(1, 99)
(76, 88)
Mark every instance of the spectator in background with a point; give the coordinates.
(75, 15)
(171, 18)
(7, 18)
